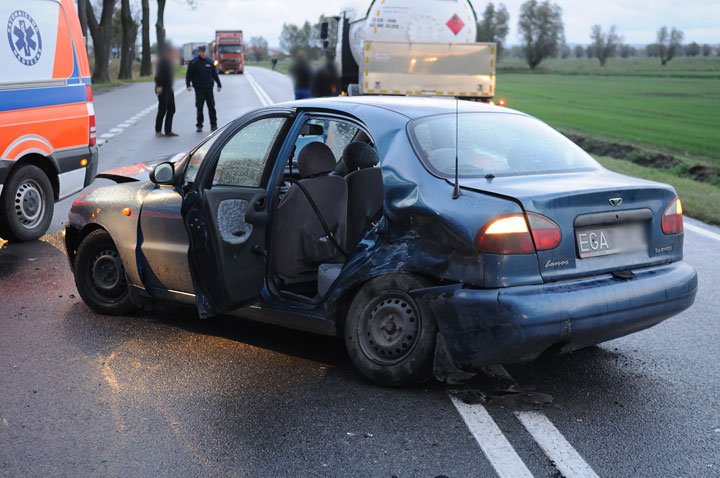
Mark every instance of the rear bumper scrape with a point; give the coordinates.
(479, 327)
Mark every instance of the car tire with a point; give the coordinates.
(26, 205)
(100, 276)
(389, 336)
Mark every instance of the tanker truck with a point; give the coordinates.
(414, 48)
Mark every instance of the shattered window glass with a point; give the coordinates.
(243, 158)
(336, 135)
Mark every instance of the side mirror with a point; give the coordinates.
(163, 173)
(324, 30)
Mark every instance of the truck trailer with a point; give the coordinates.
(415, 48)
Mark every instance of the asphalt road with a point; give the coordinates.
(166, 394)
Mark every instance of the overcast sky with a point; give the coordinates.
(637, 20)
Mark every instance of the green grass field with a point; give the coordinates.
(681, 67)
(676, 114)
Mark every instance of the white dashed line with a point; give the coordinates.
(556, 447)
(702, 232)
(495, 446)
(119, 129)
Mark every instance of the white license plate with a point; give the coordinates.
(605, 240)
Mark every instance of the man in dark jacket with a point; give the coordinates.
(164, 76)
(302, 75)
(201, 73)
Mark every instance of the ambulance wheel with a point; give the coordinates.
(389, 336)
(100, 275)
(27, 204)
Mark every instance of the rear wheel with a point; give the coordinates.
(100, 276)
(389, 336)
(27, 204)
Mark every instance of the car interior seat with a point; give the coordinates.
(300, 243)
(365, 189)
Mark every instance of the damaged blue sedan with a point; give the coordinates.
(435, 237)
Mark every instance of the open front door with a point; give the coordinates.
(226, 214)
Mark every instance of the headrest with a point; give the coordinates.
(359, 155)
(315, 158)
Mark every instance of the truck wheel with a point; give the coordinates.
(389, 336)
(27, 204)
(100, 276)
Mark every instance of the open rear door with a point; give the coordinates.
(225, 212)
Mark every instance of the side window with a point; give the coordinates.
(336, 135)
(243, 158)
(199, 155)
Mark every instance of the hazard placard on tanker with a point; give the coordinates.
(466, 70)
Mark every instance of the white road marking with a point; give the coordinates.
(119, 129)
(495, 446)
(259, 91)
(567, 460)
(702, 232)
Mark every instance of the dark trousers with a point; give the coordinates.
(166, 110)
(205, 95)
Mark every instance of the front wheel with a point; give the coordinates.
(389, 336)
(100, 276)
(26, 205)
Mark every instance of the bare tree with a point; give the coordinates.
(145, 62)
(82, 15)
(541, 29)
(160, 23)
(101, 33)
(129, 35)
(604, 44)
(494, 25)
(259, 47)
(668, 43)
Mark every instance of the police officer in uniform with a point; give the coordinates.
(201, 73)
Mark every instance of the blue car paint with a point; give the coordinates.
(489, 308)
(486, 326)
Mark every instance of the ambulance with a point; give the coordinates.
(48, 145)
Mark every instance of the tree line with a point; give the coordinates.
(542, 35)
(106, 22)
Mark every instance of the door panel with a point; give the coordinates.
(225, 213)
(164, 242)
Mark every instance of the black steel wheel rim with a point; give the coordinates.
(107, 275)
(390, 328)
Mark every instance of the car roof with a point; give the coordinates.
(409, 106)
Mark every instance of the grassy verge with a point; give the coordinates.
(700, 200)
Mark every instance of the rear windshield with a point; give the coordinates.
(497, 144)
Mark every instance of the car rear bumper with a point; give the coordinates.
(485, 326)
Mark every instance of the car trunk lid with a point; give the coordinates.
(604, 207)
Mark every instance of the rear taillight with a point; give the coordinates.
(92, 135)
(511, 235)
(672, 219)
(92, 140)
(545, 232)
